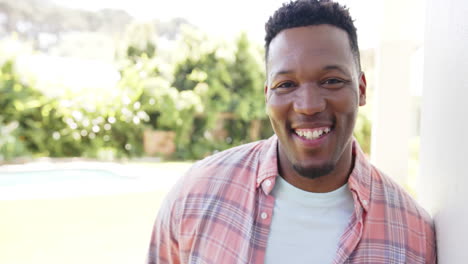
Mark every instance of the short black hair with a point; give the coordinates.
(301, 13)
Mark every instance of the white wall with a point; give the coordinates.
(400, 38)
(444, 128)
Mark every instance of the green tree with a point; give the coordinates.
(248, 102)
(38, 118)
(203, 71)
(248, 80)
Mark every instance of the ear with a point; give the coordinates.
(362, 89)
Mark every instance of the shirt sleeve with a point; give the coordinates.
(164, 246)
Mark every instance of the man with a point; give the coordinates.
(307, 194)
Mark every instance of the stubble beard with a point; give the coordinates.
(315, 172)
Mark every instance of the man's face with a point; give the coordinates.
(313, 91)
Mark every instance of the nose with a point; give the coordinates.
(309, 100)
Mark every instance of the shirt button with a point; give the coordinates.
(365, 202)
(267, 183)
(264, 215)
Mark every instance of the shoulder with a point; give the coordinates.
(242, 157)
(229, 172)
(217, 193)
(234, 165)
(215, 185)
(401, 212)
(386, 190)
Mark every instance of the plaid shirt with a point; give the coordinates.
(220, 213)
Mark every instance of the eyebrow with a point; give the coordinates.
(335, 67)
(326, 68)
(282, 72)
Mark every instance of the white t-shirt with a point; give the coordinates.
(306, 227)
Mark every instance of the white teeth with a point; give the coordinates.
(313, 134)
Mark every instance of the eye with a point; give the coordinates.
(333, 83)
(286, 85)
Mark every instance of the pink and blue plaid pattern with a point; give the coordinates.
(220, 213)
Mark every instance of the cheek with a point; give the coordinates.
(277, 107)
(346, 102)
(277, 110)
(346, 114)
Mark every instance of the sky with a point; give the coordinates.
(227, 18)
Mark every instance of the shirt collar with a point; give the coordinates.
(359, 180)
(268, 167)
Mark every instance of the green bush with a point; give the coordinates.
(63, 127)
(211, 101)
(30, 111)
(233, 87)
(10, 144)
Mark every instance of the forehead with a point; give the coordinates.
(318, 44)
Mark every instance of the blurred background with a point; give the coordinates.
(104, 104)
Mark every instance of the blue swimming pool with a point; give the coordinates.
(57, 176)
(61, 182)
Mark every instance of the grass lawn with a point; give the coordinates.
(95, 229)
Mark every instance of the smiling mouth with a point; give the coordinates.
(312, 133)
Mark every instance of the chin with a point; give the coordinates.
(313, 172)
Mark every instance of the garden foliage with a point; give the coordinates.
(212, 98)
